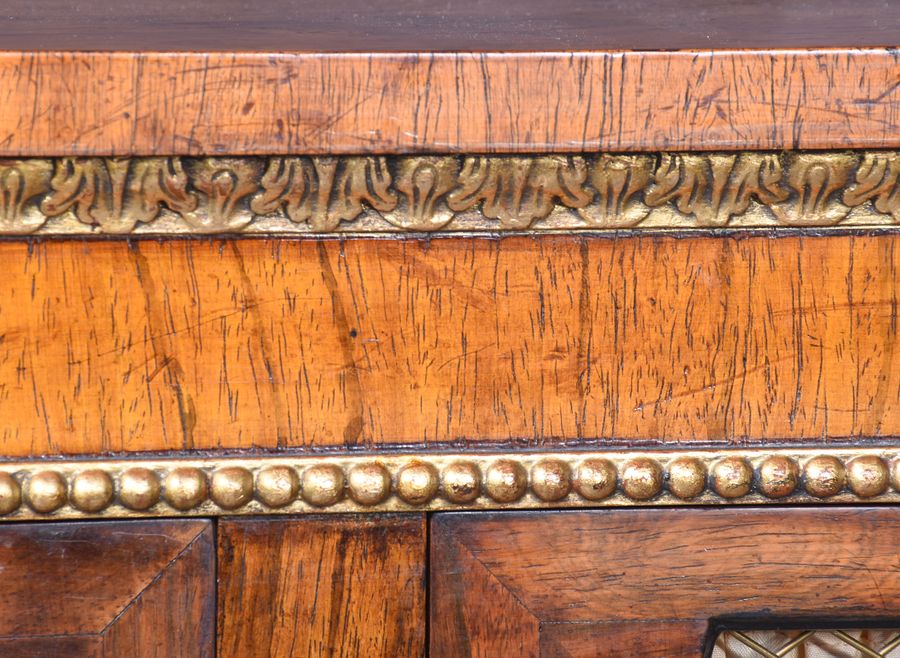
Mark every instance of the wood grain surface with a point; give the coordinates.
(649, 582)
(142, 346)
(107, 589)
(322, 586)
(117, 103)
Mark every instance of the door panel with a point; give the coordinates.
(649, 582)
(322, 586)
(113, 588)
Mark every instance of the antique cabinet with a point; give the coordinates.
(449, 328)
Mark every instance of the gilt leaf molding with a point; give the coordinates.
(448, 193)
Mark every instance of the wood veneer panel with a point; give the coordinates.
(111, 346)
(136, 588)
(322, 586)
(653, 639)
(608, 583)
(102, 103)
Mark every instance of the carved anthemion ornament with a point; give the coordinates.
(22, 184)
(878, 179)
(815, 182)
(714, 188)
(447, 192)
(324, 191)
(422, 185)
(518, 191)
(117, 193)
(225, 185)
(619, 182)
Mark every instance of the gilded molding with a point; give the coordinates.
(384, 194)
(430, 482)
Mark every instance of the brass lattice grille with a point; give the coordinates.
(866, 643)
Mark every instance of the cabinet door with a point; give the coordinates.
(107, 589)
(654, 582)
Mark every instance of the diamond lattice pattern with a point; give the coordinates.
(867, 643)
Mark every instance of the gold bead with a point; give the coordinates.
(868, 476)
(824, 476)
(506, 481)
(322, 485)
(276, 486)
(551, 479)
(687, 477)
(732, 477)
(139, 489)
(92, 490)
(461, 482)
(641, 478)
(10, 494)
(231, 487)
(369, 484)
(595, 479)
(417, 483)
(185, 488)
(46, 491)
(895, 474)
(778, 476)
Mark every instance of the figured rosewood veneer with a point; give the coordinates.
(652, 583)
(285, 77)
(143, 589)
(111, 346)
(323, 587)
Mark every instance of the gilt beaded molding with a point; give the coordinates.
(430, 482)
(383, 194)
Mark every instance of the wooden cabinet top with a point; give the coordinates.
(430, 26)
(168, 77)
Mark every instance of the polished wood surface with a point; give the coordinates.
(432, 25)
(142, 346)
(253, 103)
(322, 586)
(120, 588)
(648, 582)
(337, 346)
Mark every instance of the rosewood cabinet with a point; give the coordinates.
(457, 329)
